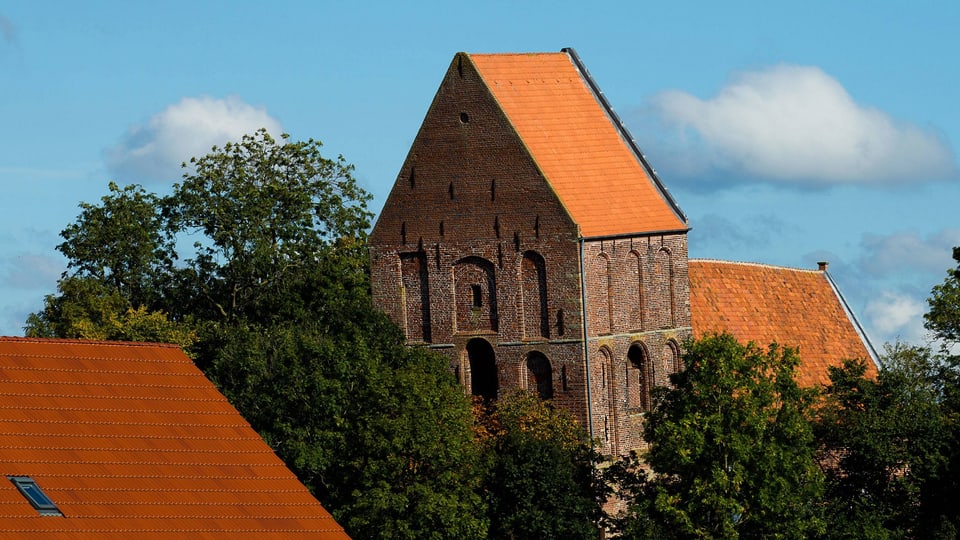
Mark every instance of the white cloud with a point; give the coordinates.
(896, 316)
(796, 124)
(901, 252)
(154, 150)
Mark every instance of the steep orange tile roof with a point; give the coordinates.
(132, 441)
(579, 145)
(765, 304)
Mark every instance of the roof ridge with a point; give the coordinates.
(760, 265)
(80, 341)
(624, 132)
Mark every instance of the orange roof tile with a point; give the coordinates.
(765, 304)
(579, 146)
(132, 441)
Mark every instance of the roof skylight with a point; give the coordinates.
(38, 499)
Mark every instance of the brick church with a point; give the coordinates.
(529, 240)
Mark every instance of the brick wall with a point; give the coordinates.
(473, 244)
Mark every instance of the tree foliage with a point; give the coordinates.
(257, 263)
(731, 449)
(542, 480)
(883, 444)
(264, 212)
(943, 317)
(381, 433)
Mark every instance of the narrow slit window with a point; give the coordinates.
(477, 296)
(38, 499)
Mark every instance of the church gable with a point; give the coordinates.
(473, 239)
(468, 173)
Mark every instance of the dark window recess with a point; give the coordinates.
(477, 296)
(450, 189)
(464, 118)
(38, 499)
(493, 189)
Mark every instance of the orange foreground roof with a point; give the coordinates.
(580, 148)
(766, 304)
(132, 441)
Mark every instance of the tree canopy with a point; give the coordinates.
(883, 445)
(541, 479)
(257, 264)
(731, 449)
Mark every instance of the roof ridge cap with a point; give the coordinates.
(760, 265)
(80, 341)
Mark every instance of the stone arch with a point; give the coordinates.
(533, 296)
(539, 375)
(663, 289)
(639, 377)
(414, 282)
(475, 295)
(484, 375)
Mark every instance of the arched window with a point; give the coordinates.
(635, 269)
(663, 289)
(671, 356)
(602, 290)
(416, 296)
(540, 375)
(533, 295)
(639, 378)
(475, 295)
(606, 401)
(484, 379)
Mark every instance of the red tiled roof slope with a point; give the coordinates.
(765, 304)
(132, 441)
(573, 140)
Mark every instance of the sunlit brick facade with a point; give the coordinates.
(483, 253)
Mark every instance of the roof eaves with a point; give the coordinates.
(636, 234)
(602, 99)
(856, 322)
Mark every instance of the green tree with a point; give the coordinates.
(86, 308)
(943, 317)
(883, 442)
(264, 212)
(943, 320)
(731, 447)
(542, 480)
(274, 297)
(122, 243)
(378, 431)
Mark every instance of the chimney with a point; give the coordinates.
(822, 266)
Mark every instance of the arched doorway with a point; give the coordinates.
(484, 381)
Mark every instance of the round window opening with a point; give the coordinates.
(464, 118)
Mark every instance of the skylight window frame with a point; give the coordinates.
(31, 491)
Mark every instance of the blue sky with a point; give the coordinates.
(788, 134)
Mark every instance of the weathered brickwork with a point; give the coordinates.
(475, 256)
